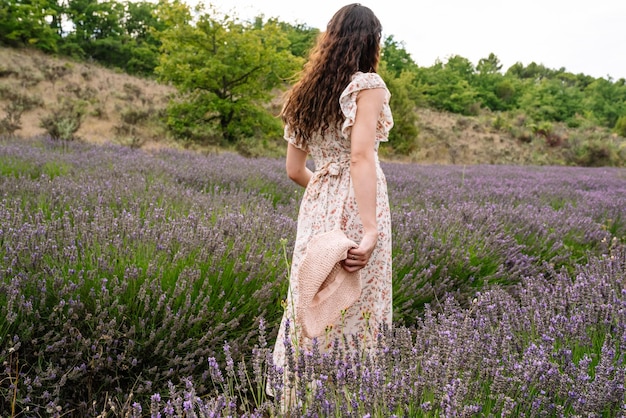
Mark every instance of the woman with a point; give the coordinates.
(338, 113)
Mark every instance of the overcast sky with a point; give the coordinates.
(583, 36)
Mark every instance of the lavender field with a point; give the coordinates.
(150, 284)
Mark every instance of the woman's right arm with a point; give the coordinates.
(363, 172)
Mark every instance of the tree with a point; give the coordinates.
(398, 70)
(96, 32)
(396, 57)
(532, 71)
(403, 136)
(141, 22)
(461, 66)
(28, 23)
(116, 34)
(141, 26)
(489, 65)
(605, 101)
(495, 91)
(225, 69)
(93, 19)
(447, 87)
(301, 38)
(551, 100)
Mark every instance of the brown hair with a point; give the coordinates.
(350, 43)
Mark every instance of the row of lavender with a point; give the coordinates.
(122, 271)
(555, 348)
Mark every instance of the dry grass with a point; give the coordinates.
(447, 138)
(103, 93)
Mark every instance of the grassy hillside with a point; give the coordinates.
(38, 90)
(493, 138)
(114, 107)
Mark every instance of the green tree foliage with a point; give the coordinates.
(29, 23)
(396, 58)
(95, 20)
(398, 70)
(141, 26)
(225, 69)
(605, 101)
(532, 71)
(403, 136)
(494, 91)
(550, 99)
(115, 34)
(301, 38)
(620, 126)
(541, 93)
(96, 31)
(447, 86)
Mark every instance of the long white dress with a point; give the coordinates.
(329, 203)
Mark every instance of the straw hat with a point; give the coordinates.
(325, 288)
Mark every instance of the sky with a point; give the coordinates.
(582, 36)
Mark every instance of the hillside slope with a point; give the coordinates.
(446, 138)
(116, 107)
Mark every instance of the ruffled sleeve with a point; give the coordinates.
(347, 101)
(290, 137)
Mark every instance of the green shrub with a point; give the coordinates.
(55, 72)
(12, 121)
(13, 94)
(522, 134)
(546, 130)
(620, 126)
(596, 152)
(65, 120)
(189, 122)
(132, 91)
(134, 115)
(500, 123)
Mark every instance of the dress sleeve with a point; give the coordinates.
(347, 101)
(290, 137)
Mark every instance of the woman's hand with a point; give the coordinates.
(359, 257)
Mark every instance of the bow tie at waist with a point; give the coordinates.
(332, 169)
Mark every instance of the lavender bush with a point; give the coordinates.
(555, 349)
(150, 284)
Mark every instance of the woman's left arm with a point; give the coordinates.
(296, 165)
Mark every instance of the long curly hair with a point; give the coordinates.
(350, 43)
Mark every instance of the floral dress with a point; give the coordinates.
(329, 203)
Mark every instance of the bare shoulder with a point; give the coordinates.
(374, 97)
(373, 93)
